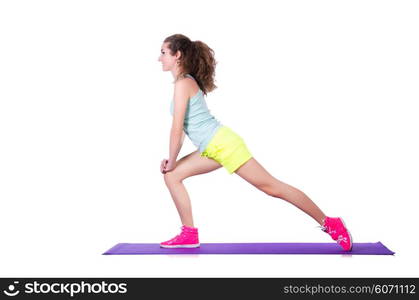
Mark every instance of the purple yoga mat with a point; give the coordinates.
(254, 248)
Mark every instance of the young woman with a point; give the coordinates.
(192, 65)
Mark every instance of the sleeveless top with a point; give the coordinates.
(199, 125)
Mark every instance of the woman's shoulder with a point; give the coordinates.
(189, 85)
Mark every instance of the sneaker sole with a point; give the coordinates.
(350, 247)
(180, 246)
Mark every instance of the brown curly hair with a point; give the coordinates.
(196, 59)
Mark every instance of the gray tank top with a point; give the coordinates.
(199, 125)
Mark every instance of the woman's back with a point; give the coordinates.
(199, 124)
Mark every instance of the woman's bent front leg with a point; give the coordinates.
(180, 197)
(189, 165)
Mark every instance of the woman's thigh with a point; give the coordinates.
(254, 173)
(191, 165)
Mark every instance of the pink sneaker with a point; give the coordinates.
(188, 238)
(337, 230)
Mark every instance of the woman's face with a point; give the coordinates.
(168, 61)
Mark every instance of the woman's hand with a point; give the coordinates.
(167, 165)
(170, 166)
(163, 165)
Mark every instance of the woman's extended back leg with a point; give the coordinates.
(254, 173)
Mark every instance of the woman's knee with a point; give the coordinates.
(274, 188)
(172, 176)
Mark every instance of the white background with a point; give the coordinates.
(323, 92)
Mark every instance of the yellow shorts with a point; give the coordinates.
(227, 148)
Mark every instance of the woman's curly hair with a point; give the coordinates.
(196, 59)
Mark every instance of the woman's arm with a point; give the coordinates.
(177, 134)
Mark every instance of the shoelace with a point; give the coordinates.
(182, 234)
(341, 238)
(326, 229)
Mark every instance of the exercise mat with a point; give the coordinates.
(252, 248)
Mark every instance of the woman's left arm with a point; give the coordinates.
(180, 105)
